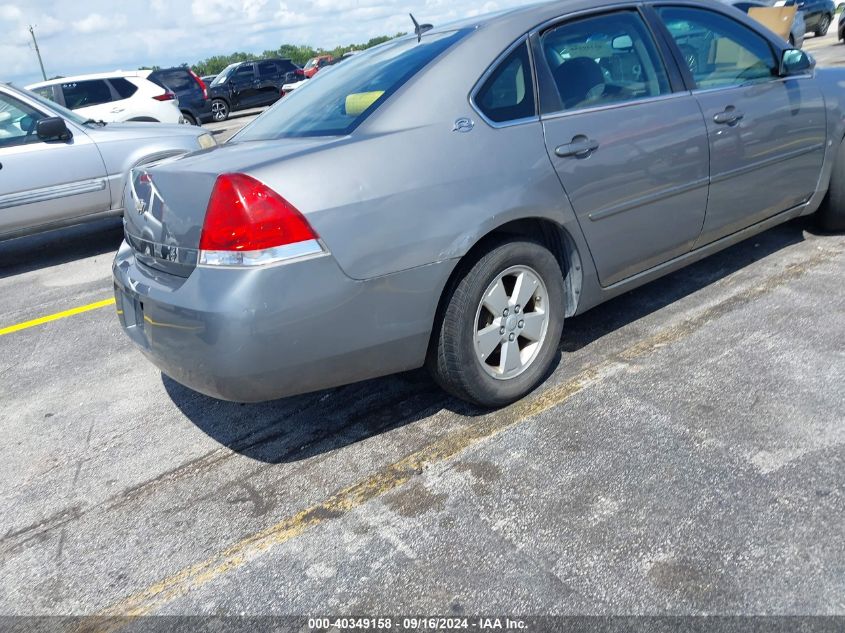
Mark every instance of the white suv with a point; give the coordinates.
(113, 97)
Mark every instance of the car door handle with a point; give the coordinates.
(579, 147)
(730, 116)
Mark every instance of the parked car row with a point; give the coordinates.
(175, 95)
(114, 97)
(251, 84)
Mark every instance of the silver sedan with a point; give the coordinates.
(58, 168)
(451, 197)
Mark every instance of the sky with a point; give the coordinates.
(82, 36)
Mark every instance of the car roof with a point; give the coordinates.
(109, 75)
(526, 17)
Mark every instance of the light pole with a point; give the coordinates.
(37, 52)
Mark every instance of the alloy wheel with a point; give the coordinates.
(511, 322)
(219, 110)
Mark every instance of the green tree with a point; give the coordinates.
(298, 54)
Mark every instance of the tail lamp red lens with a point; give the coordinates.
(167, 96)
(244, 214)
(200, 83)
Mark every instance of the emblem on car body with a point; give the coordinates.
(464, 125)
(142, 183)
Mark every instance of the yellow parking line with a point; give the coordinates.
(55, 317)
(376, 485)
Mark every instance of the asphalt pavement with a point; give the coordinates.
(686, 457)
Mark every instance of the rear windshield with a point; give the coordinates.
(339, 98)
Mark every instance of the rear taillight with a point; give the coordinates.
(200, 83)
(167, 96)
(249, 224)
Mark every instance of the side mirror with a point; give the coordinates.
(53, 128)
(795, 62)
(622, 43)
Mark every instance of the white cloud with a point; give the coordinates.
(229, 11)
(167, 32)
(97, 23)
(9, 12)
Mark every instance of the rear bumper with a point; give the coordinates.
(256, 335)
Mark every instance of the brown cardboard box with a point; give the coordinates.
(777, 19)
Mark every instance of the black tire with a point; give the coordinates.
(453, 360)
(824, 25)
(831, 213)
(219, 110)
(190, 119)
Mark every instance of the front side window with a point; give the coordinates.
(604, 60)
(224, 75)
(341, 99)
(17, 122)
(719, 51)
(81, 94)
(508, 93)
(243, 73)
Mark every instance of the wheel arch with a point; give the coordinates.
(547, 232)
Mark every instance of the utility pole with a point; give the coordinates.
(37, 52)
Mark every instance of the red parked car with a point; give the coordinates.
(315, 64)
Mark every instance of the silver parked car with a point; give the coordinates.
(58, 168)
(489, 179)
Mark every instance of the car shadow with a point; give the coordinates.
(60, 246)
(301, 427)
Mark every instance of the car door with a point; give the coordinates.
(766, 133)
(268, 81)
(242, 86)
(44, 182)
(628, 144)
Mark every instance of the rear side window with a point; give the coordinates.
(81, 94)
(718, 50)
(349, 93)
(508, 93)
(268, 69)
(603, 60)
(122, 87)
